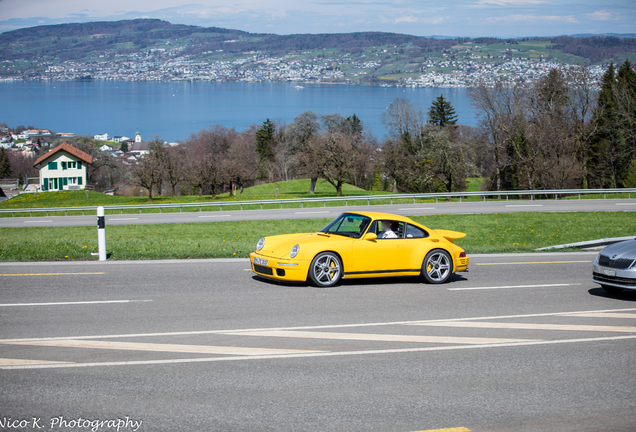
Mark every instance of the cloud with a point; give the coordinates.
(406, 19)
(603, 15)
(511, 3)
(534, 19)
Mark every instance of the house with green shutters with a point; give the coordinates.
(63, 168)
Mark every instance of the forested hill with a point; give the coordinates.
(78, 41)
(87, 41)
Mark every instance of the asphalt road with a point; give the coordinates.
(522, 342)
(332, 212)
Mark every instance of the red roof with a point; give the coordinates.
(68, 149)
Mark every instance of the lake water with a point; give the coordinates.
(174, 110)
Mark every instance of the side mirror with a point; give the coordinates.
(370, 236)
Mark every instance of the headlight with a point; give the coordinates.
(260, 244)
(294, 251)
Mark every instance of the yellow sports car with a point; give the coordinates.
(358, 245)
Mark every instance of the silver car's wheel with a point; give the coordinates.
(325, 269)
(437, 266)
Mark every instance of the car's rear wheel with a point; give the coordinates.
(437, 266)
(325, 270)
(611, 289)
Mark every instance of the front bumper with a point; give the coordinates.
(625, 279)
(287, 270)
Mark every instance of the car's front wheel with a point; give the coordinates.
(437, 266)
(325, 270)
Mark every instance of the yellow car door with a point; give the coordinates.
(379, 255)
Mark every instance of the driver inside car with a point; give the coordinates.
(388, 230)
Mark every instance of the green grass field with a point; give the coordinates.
(286, 190)
(293, 189)
(486, 233)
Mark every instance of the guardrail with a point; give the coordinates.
(302, 201)
(9, 182)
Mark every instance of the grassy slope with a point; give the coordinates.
(286, 190)
(486, 233)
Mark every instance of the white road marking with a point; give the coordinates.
(602, 315)
(511, 286)
(377, 337)
(15, 362)
(625, 204)
(38, 221)
(118, 219)
(328, 326)
(133, 346)
(312, 212)
(417, 208)
(319, 354)
(524, 205)
(213, 216)
(72, 303)
(531, 326)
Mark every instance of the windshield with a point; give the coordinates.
(347, 224)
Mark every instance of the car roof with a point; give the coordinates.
(380, 215)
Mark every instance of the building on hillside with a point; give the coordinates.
(138, 147)
(119, 139)
(63, 168)
(101, 137)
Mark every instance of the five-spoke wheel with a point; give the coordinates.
(325, 269)
(437, 266)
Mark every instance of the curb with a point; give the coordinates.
(589, 244)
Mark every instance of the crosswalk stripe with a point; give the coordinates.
(602, 315)
(528, 326)
(375, 337)
(133, 346)
(23, 362)
(320, 354)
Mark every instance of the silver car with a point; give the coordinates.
(615, 267)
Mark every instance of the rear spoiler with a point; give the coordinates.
(451, 236)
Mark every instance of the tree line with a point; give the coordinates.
(559, 132)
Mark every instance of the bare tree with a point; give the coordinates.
(174, 166)
(299, 132)
(403, 120)
(332, 156)
(148, 172)
(241, 165)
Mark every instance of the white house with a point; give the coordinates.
(63, 168)
(101, 137)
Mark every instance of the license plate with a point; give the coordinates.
(260, 261)
(607, 272)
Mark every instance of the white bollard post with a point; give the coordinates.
(101, 233)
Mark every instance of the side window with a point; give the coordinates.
(52, 165)
(388, 229)
(415, 232)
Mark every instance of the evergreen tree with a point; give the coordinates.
(441, 113)
(124, 147)
(265, 142)
(5, 165)
(356, 124)
(613, 146)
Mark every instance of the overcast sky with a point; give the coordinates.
(470, 18)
